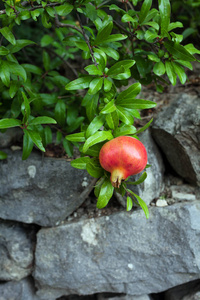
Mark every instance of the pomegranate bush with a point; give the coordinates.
(113, 42)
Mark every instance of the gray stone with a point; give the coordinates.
(153, 184)
(41, 190)
(188, 291)
(161, 203)
(183, 192)
(177, 132)
(120, 253)
(16, 251)
(20, 290)
(123, 297)
(10, 136)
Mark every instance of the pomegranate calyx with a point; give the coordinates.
(116, 178)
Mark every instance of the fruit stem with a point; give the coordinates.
(116, 178)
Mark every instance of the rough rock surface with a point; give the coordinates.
(177, 132)
(125, 297)
(16, 251)
(122, 253)
(40, 190)
(153, 184)
(9, 137)
(20, 290)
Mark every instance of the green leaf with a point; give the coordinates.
(165, 12)
(82, 45)
(174, 25)
(170, 72)
(14, 87)
(129, 203)
(110, 52)
(46, 40)
(108, 108)
(8, 35)
(95, 125)
(93, 70)
(76, 137)
(178, 51)
(35, 14)
(19, 45)
(191, 49)
(150, 35)
(144, 10)
(105, 194)
(120, 67)
(136, 104)
(32, 69)
(4, 50)
(139, 181)
(159, 68)
(128, 18)
(107, 85)
(95, 85)
(8, 123)
(68, 146)
(46, 60)
(144, 127)
(152, 24)
(91, 105)
(143, 205)
(47, 135)
(103, 33)
(91, 12)
(80, 83)
(3, 155)
(27, 145)
(112, 120)
(114, 38)
(17, 69)
(97, 137)
(186, 64)
(153, 57)
(180, 72)
(27, 109)
(5, 73)
(94, 168)
(36, 138)
(129, 93)
(64, 10)
(125, 116)
(60, 112)
(188, 31)
(122, 76)
(80, 163)
(42, 120)
(124, 130)
(45, 20)
(94, 150)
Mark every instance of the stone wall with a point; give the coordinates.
(55, 244)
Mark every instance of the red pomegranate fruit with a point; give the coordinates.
(122, 157)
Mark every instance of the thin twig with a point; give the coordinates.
(59, 24)
(3, 11)
(87, 41)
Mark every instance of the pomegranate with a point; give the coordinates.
(122, 157)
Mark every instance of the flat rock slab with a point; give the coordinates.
(16, 251)
(120, 253)
(18, 290)
(177, 132)
(40, 190)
